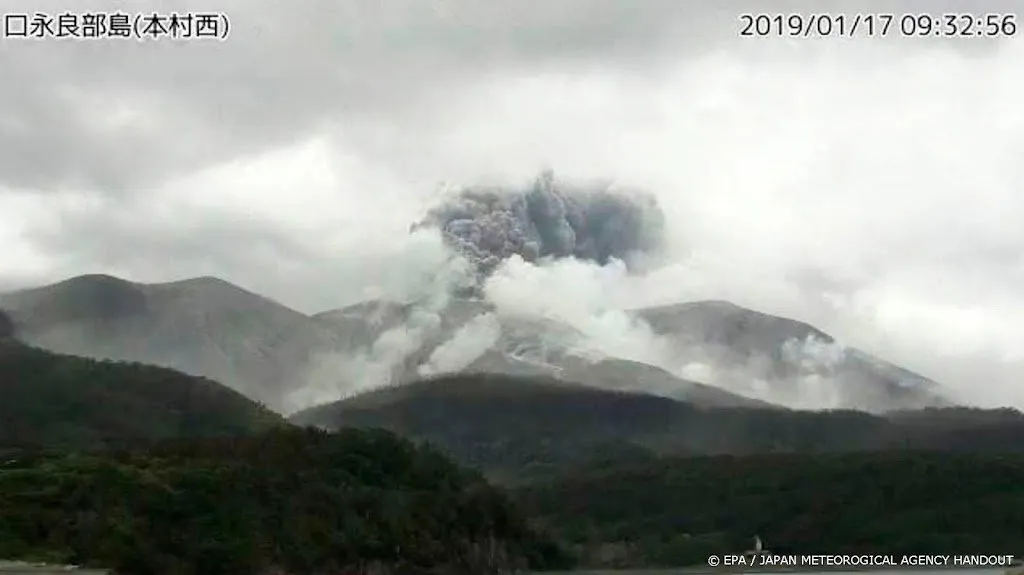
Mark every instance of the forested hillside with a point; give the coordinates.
(289, 501)
(63, 401)
(6, 325)
(518, 428)
(678, 511)
(152, 471)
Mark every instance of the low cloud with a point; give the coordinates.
(871, 188)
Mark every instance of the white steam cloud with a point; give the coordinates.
(871, 189)
(469, 343)
(592, 308)
(575, 293)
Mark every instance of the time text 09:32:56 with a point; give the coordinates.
(878, 25)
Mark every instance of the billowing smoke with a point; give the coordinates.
(467, 344)
(497, 235)
(547, 271)
(487, 225)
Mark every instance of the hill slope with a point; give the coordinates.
(6, 326)
(717, 354)
(202, 326)
(791, 362)
(269, 352)
(54, 400)
(530, 426)
(741, 356)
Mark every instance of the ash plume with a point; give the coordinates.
(488, 225)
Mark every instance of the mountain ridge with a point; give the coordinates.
(202, 326)
(287, 359)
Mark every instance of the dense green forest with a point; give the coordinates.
(54, 400)
(302, 500)
(6, 326)
(288, 501)
(528, 428)
(148, 470)
(678, 511)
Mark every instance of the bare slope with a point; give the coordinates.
(202, 326)
(722, 354)
(761, 355)
(522, 346)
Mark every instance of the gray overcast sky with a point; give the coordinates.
(873, 187)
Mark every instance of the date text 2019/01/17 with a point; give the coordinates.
(878, 25)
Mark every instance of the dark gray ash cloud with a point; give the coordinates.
(549, 219)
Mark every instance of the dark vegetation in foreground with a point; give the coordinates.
(288, 501)
(6, 326)
(519, 429)
(626, 480)
(54, 400)
(151, 471)
(306, 501)
(678, 511)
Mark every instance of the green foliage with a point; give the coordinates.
(528, 428)
(609, 482)
(63, 401)
(6, 326)
(513, 428)
(678, 511)
(297, 500)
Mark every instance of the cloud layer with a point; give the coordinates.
(871, 187)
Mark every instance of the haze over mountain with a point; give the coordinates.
(201, 326)
(289, 360)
